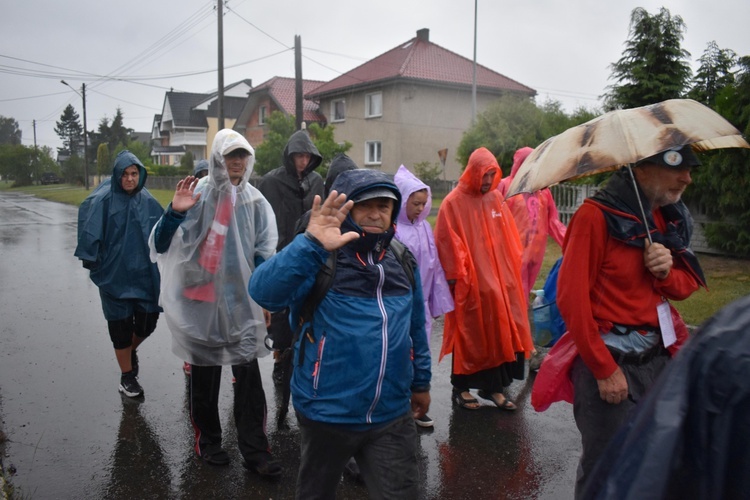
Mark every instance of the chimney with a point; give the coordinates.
(423, 34)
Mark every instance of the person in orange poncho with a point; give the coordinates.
(536, 216)
(480, 250)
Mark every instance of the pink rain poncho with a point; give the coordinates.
(536, 216)
(417, 236)
(479, 248)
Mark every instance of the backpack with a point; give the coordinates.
(557, 324)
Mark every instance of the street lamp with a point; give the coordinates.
(82, 94)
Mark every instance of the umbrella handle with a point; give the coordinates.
(640, 204)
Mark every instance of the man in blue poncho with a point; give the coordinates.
(114, 223)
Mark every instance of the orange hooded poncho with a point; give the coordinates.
(480, 249)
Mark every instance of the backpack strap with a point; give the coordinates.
(323, 281)
(405, 258)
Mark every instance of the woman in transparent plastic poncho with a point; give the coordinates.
(207, 244)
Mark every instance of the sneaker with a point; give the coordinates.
(424, 421)
(278, 373)
(129, 385)
(134, 362)
(268, 468)
(186, 368)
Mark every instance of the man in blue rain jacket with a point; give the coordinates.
(362, 363)
(114, 223)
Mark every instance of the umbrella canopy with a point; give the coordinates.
(623, 137)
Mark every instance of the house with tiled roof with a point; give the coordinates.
(407, 104)
(189, 122)
(276, 94)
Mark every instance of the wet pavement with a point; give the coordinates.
(71, 435)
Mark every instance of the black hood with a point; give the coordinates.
(354, 182)
(340, 163)
(300, 142)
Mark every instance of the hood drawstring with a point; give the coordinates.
(360, 259)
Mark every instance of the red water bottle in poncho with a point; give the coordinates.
(211, 252)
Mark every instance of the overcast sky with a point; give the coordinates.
(129, 54)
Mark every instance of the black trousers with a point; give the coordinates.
(249, 409)
(597, 420)
(386, 456)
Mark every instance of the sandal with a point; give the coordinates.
(467, 403)
(506, 405)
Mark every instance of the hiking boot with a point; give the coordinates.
(424, 421)
(129, 385)
(352, 470)
(134, 362)
(268, 468)
(278, 374)
(214, 454)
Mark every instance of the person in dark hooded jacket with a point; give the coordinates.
(114, 223)
(290, 190)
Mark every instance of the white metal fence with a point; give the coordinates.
(568, 197)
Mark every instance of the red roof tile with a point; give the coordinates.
(420, 59)
(283, 91)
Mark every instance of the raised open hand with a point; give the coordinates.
(183, 199)
(325, 221)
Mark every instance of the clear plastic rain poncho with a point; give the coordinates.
(206, 269)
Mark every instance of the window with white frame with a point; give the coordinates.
(374, 105)
(262, 115)
(373, 153)
(338, 110)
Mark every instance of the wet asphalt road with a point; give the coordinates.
(71, 435)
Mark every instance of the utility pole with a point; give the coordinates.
(220, 22)
(85, 134)
(36, 151)
(85, 142)
(299, 112)
(474, 77)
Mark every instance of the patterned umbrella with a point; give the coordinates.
(623, 137)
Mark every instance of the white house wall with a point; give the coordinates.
(417, 121)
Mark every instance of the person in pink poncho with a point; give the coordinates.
(536, 217)
(413, 230)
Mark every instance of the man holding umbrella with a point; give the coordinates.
(613, 288)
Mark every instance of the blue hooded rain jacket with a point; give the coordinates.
(365, 349)
(113, 231)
